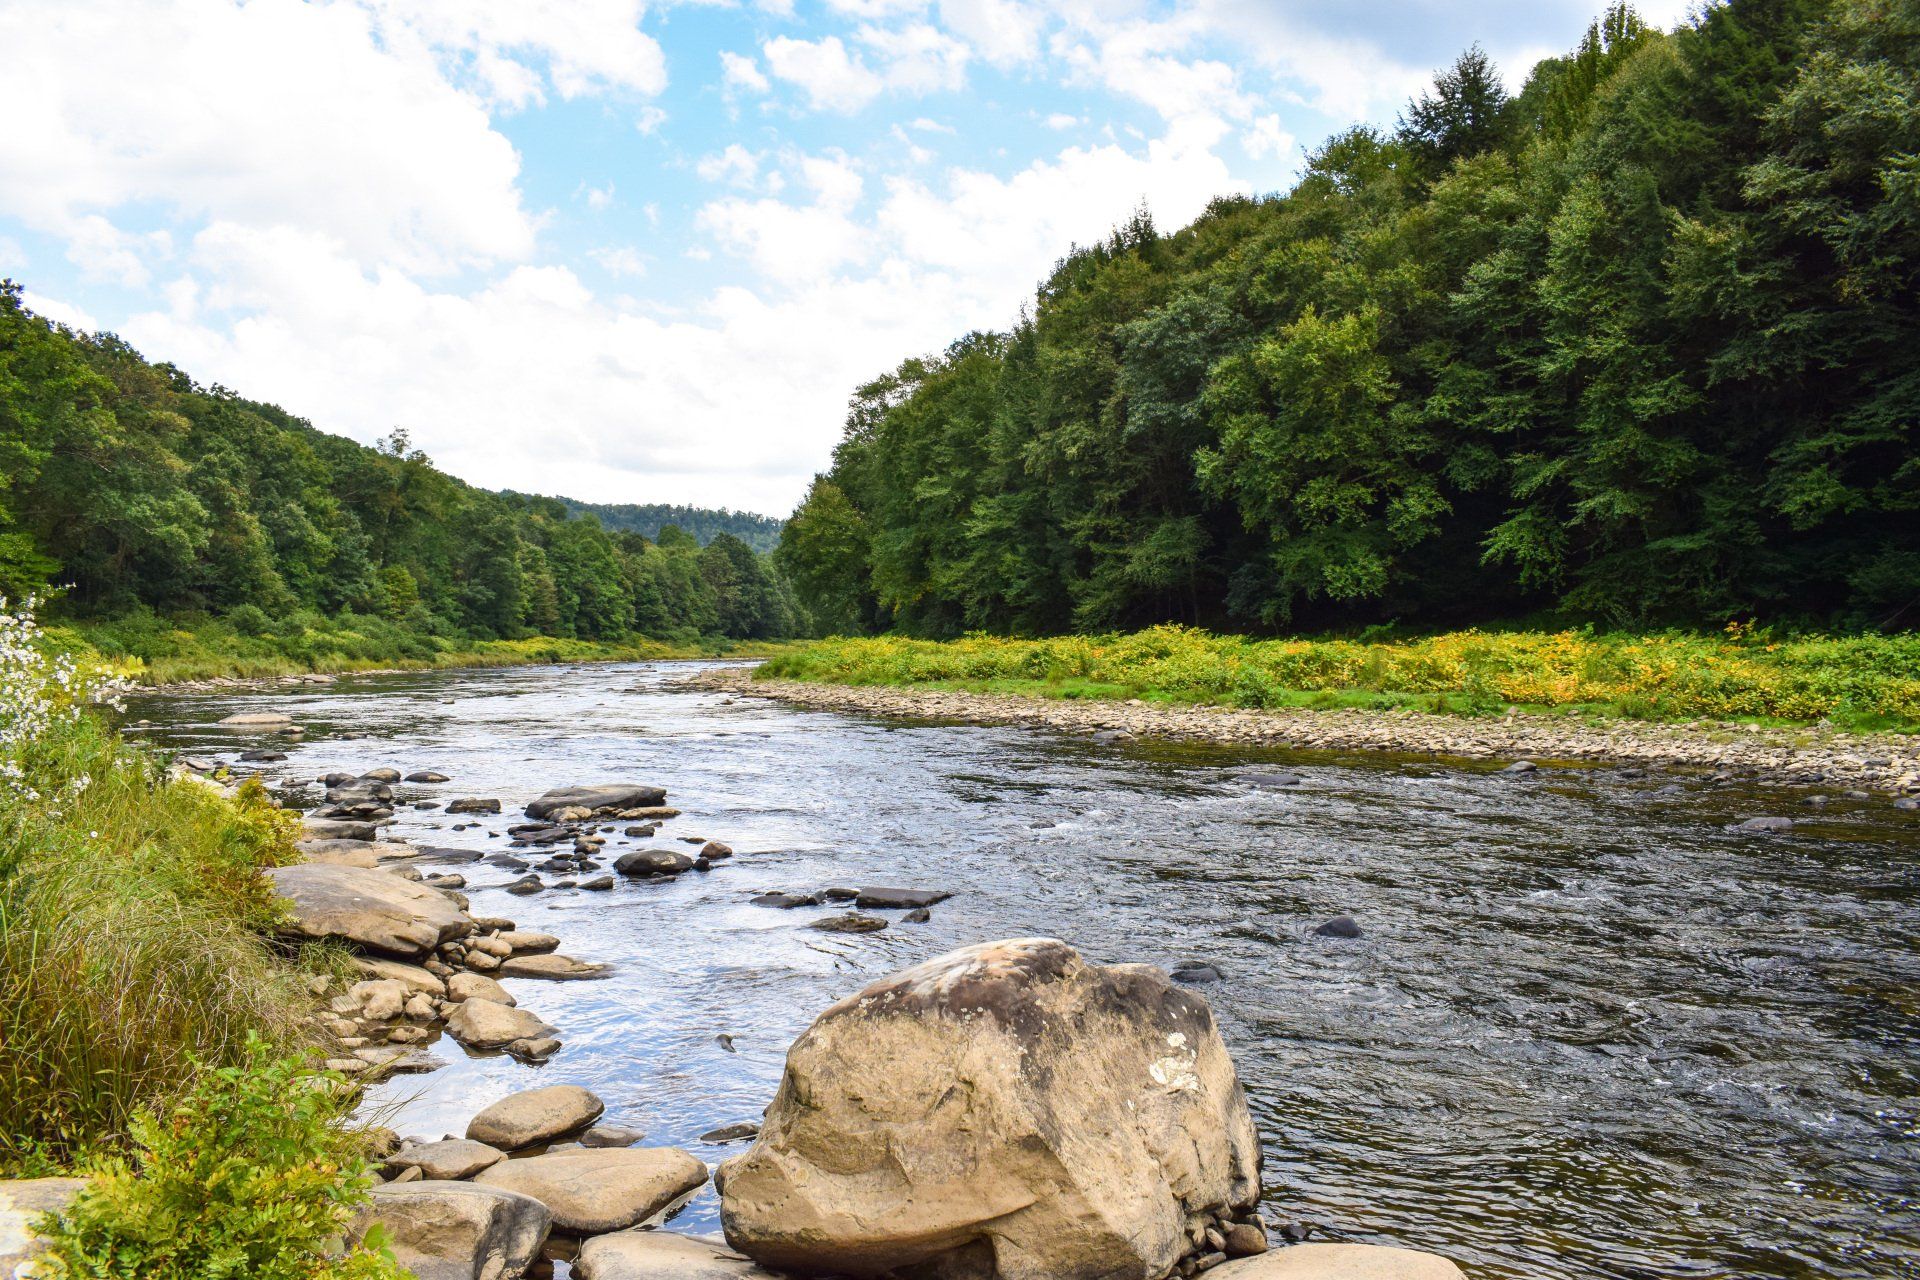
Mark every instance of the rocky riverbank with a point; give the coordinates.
(1884, 764)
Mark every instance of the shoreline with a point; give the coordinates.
(325, 676)
(1802, 756)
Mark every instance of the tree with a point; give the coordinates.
(1463, 116)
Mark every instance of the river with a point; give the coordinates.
(1587, 1031)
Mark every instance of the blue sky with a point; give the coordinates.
(641, 252)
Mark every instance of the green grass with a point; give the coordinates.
(155, 650)
(1865, 682)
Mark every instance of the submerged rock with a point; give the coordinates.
(1008, 1110)
(1765, 826)
(886, 897)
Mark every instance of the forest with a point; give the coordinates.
(762, 533)
(1634, 346)
(141, 501)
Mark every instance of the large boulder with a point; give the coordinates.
(21, 1205)
(1005, 1110)
(592, 1191)
(372, 909)
(619, 796)
(662, 1255)
(1340, 1262)
(457, 1230)
(534, 1116)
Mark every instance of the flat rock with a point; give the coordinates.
(338, 829)
(477, 986)
(888, 897)
(21, 1204)
(535, 1115)
(527, 942)
(415, 978)
(1765, 825)
(370, 909)
(787, 901)
(555, 968)
(592, 1191)
(612, 796)
(428, 775)
(473, 804)
(662, 1255)
(849, 923)
(732, 1132)
(448, 1161)
(611, 1135)
(458, 1230)
(1340, 1262)
(264, 719)
(487, 1024)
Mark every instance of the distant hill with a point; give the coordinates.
(762, 533)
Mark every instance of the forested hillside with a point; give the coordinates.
(762, 533)
(135, 492)
(1637, 345)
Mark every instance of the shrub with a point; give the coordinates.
(249, 1176)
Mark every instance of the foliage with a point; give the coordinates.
(140, 492)
(647, 519)
(1740, 673)
(130, 914)
(249, 1176)
(1639, 345)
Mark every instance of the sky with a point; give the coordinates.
(642, 252)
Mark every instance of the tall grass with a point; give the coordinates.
(1866, 681)
(132, 919)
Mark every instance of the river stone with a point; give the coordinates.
(592, 1191)
(337, 829)
(619, 796)
(477, 986)
(21, 1204)
(652, 862)
(269, 719)
(527, 942)
(535, 1115)
(611, 1135)
(884, 897)
(416, 978)
(371, 909)
(457, 1230)
(384, 773)
(1765, 825)
(1339, 1262)
(487, 1024)
(787, 901)
(662, 1255)
(428, 775)
(848, 923)
(556, 968)
(340, 853)
(597, 883)
(1339, 927)
(471, 804)
(1005, 1109)
(448, 1161)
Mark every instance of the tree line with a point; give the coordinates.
(1636, 345)
(126, 486)
(762, 533)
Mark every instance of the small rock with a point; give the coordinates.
(714, 849)
(472, 804)
(1194, 971)
(610, 1135)
(448, 1161)
(597, 884)
(428, 775)
(487, 1024)
(477, 986)
(534, 1116)
(556, 968)
(740, 1132)
(919, 915)
(887, 897)
(849, 923)
(1244, 1240)
(1764, 825)
(649, 863)
(1521, 766)
(787, 901)
(592, 1191)
(524, 886)
(1339, 927)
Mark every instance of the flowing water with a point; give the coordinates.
(1587, 1031)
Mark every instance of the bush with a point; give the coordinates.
(248, 1177)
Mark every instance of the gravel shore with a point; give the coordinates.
(1803, 756)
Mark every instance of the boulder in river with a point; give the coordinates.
(662, 1255)
(458, 1230)
(473, 804)
(370, 909)
(448, 1161)
(787, 901)
(555, 968)
(617, 796)
(1764, 826)
(851, 922)
(256, 720)
(1008, 1110)
(1339, 1262)
(885, 897)
(428, 775)
(534, 1116)
(652, 862)
(487, 1024)
(477, 986)
(595, 1190)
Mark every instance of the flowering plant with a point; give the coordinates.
(39, 692)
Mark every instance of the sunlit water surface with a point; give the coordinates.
(1587, 1032)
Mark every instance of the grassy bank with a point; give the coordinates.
(150, 1029)
(149, 649)
(1861, 682)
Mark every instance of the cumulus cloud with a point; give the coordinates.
(738, 71)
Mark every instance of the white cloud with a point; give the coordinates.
(620, 261)
(114, 105)
(1266, 139)
(1061, 120)
(649, 120)
(925, 125)
(738, 71)
(796, 243)
(736, 165)
(104, 253)
(919, 59)
(832, 78)
(586, 45)
(1004, 32)
(60, 312)
(597, 198)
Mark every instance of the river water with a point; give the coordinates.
(1587, 1031)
